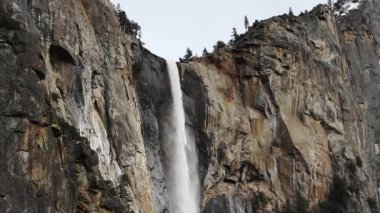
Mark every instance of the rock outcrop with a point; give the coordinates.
(285, 118)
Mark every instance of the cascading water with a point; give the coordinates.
(181, 159)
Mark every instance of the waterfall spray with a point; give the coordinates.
(181, 176)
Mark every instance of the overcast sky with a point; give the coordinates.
(170, 26)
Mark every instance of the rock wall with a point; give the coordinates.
(277, 117)
(71, 138)
(292, 115)
(285, 118)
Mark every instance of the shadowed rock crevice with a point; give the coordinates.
(58, 53)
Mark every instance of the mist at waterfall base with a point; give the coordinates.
(181, 163)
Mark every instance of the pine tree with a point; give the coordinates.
(205, 52)
(219, 45)
(246, 23)
(187, 57)
(255, 23)
(123, 20)
(234, 34)
(128, 26)
(135, 29)
(291, 12)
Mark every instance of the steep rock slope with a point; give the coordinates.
(283, 118)
(292, 114)
(70, 123)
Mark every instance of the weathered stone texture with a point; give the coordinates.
(292, 112)
(288, 113)
(70, 120)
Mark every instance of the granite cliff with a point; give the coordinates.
(285, 119)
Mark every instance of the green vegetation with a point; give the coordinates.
(291, 11)
(205, 53)
(246, 23)
(338, 197)
(219, 45)
(129, 26)
(288, 208)
(234, 33)
(187, 57)
(260, 200)
(234, 36)
(299, 205)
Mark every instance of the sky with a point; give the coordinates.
(171, 26)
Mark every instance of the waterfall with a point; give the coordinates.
(181, 158)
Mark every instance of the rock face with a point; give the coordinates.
(285, 118)
(71, 138)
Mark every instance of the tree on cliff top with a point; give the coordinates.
(234, 34)
(291, 11)
(219, 45)
(129, 26)
(187, 57)
(205, 53)
(246, 23)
